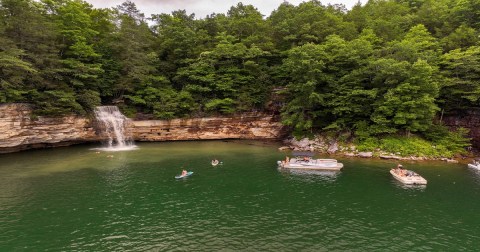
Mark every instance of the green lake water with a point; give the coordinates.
(74, 199)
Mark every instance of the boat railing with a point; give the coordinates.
(322, 162)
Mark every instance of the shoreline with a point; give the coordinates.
(332, 148)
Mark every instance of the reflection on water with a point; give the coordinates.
(71, 199)
(475, 174)
(69, 162)
(310, 175)
(401, 185)
(117, 149)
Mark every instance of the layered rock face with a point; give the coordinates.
(469, 120)
(246, 126)
(18, 131)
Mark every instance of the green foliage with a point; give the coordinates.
(440, 142)
(454, 141)
(368, 144)
(362, 131)
(410, 102)
(89, 99)
(225, 106)
(461, 88)
(56, 103)
(382, 68)
(128, 111)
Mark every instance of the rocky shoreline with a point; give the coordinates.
(331, 146)
(19, 130)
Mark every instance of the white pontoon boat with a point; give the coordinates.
(304, 160)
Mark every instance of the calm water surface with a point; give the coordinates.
(74, 199)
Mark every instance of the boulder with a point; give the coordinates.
(368, 154)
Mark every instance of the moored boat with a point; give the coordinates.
(304, 161)
(407, 177)
(475, 164)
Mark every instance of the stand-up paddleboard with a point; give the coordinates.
(184, 176)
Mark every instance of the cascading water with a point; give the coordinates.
(113, 124)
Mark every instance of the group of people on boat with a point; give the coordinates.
(404, 172)
(298, 159)
(286, 161)
(215, 162)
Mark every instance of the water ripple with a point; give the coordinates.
(245, 205)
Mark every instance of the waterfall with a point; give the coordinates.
(114, 124)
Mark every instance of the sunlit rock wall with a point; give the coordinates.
(19, 131)
(246, 126)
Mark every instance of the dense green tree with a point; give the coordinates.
(461, 88)
(305, 65)
(309, 22)
(467, 12)
(418, 43)
(13, 71)
(231, 70)
(246, 24)
(352, 91)
(408, 103)
(80, 60)
(26, 27)
(383, 67)
(388, 19)
(178, 39)
(461, 38)
(435, 16)
(131, 49)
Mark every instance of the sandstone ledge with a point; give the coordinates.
(19, 131)
(246, 126)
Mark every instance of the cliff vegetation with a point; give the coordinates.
(386, 68)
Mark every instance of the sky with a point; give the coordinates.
(201, 8)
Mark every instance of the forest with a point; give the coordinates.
(382, 68)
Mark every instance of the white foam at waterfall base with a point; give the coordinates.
(113, 124)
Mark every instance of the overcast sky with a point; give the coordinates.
(201, 8)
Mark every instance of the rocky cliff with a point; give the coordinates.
(470, 120)
(245, 126)
(19, 131)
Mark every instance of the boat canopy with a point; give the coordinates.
(303, 153)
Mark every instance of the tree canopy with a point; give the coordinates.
(389, 65)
